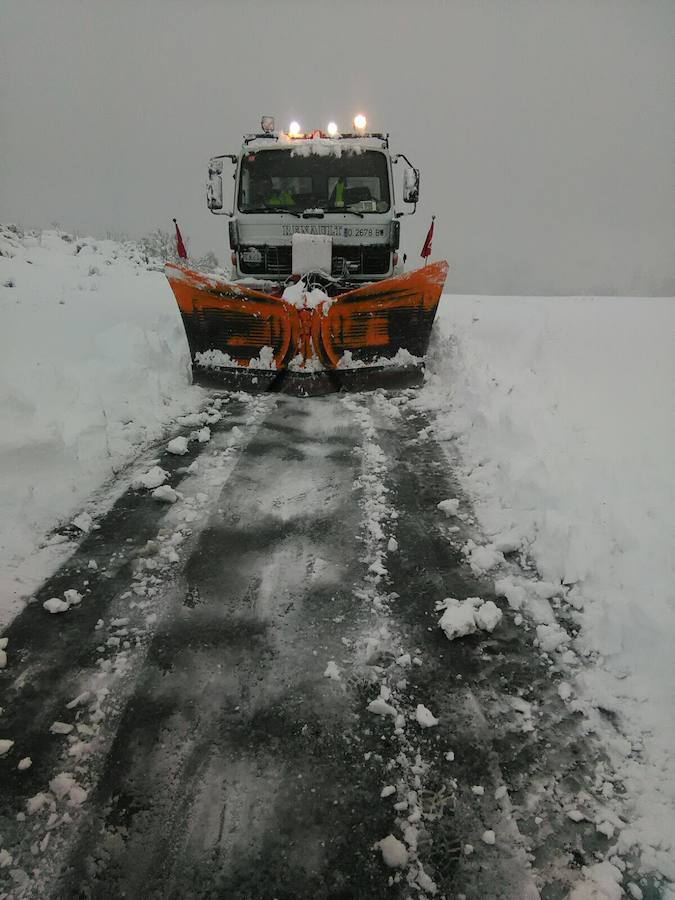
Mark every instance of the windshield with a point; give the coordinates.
(275, 180)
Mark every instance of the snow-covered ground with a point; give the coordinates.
(558, 415)
(561, 415)
(93, 364)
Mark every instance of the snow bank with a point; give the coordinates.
(93, 364)
(561, 412)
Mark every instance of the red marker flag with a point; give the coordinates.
(426, 249)
(180, 246)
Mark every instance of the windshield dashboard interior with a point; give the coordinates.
(279, 180)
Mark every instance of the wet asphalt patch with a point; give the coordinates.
(235, 753)
(49, 653)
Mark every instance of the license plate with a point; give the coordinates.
(374, 232)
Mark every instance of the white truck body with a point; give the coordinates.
(363, 231)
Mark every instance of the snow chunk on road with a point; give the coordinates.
(564, 690)
(55, 605)
(425, 882)
(151, 480)
(165, 494)
(60, 728)
(65, 785)
(601, 882)
(84, 522)
(193, 420)
(394, 853)
(332, 671)
(547, 589)
(551, 637)
(515, 594)
(77, 795)
(203, 435)
(6, 859)
(387, 791)
(450, 507)
(488, 837)
(377, 568)
(482, 559)
(34, 804)
(61, 784)
(24, 764)
(508, 542)
(5, 746)
(3, 659)
(381, 708)
(605, 828)
(467, 616)
(392, 546)
(488, 616)
(81, 698)
(178, 446)
(458, 619)
(72, 597)
(425, 717)
(576, 815)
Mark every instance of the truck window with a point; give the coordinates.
(288, 179)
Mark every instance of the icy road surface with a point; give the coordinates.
(253, 698)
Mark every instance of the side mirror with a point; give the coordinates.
(411, 185)
(214, 186)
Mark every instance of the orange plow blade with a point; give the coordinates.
(366, 336)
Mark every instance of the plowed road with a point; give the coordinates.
(223, 657)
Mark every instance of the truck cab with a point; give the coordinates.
(338, 188)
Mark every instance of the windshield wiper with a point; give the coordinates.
(273, 209)
(344, 209)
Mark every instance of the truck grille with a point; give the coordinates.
(362, 260)
(265, 260)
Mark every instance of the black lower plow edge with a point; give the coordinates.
(309, 384)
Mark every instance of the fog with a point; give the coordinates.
(544, 129)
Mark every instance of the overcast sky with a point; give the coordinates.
(544, 129)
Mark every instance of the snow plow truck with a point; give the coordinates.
(318, 299)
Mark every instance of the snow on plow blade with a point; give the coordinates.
(370, 336)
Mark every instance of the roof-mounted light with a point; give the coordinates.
(360, 122)
(267, 124)
(332, 129)
(294, 129)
